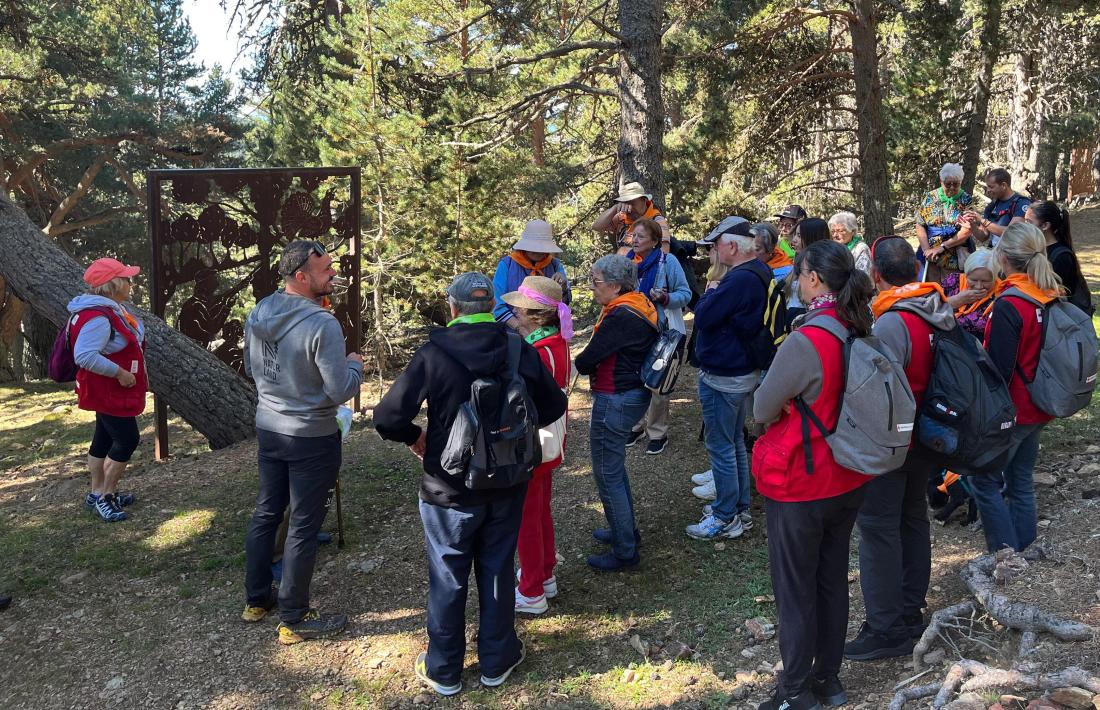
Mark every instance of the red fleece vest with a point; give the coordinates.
(778, 461)
(1027, 361)
(99, 393)
(919, 368)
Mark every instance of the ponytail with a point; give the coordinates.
(835, 266)
(1023, 248)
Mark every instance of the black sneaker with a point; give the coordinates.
(829, 691)
(803, 701)
(109, 509)
(656, 446)
(634, 437)
(5, 601)
(604, 535)
(869, 645)
(915, 623)
(313, 625)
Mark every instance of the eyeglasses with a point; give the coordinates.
(597, 281)
(315, 248)
(952, 183)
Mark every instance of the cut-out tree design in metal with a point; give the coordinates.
(217, 236)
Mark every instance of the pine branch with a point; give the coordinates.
(559, 51)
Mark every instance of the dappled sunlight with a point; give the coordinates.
(180, 530)
(391, 615)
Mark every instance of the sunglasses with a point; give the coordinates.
(315, 248)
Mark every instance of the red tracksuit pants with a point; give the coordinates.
(535, 547)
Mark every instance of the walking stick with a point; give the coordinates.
(339, 518)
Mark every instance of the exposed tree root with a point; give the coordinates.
(968, 676)
(935, 628)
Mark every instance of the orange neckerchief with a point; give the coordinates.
(1022, 282)
(535, 269)
(635, 300)
(971, 307)
(650, 213)
(130, 319)
(779, 259)
(886, 300)
(949, 480)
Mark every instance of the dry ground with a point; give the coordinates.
(144, 613)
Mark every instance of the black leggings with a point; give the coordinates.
(115, 437)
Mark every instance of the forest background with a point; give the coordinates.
(468, 118)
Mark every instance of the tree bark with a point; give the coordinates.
(1023, 137)
(878, 211)
(209, 396)
(641, 136)
(990, 41)
(38, 336)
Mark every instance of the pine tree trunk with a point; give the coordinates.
(1023, 137)
(990, 41)
(642, 112)
(38, 336)
(196, 385)
(878, 212)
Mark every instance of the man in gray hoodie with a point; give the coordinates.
(294, 350)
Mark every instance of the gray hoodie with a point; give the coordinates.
(294, 350)
(891, 328)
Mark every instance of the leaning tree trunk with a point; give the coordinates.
(878, 212)
(642, 130)
(38, 336)
(200, 388)
(990, 41)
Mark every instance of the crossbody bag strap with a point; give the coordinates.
(808, 417)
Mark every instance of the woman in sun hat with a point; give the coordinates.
(538, 305)
(108, 343)
(532, 255)
(631, 204)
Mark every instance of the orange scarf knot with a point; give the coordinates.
(1022, 282)
(779, 259)
(888, 299)
(535, 269)
(986, 302)
(635, 300)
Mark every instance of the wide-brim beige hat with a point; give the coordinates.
(537, 236)
(539, 284)
(632, 191)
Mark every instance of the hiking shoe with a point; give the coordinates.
(711, 527)
(604, 535)
(915, 623)
(869, 645)
(421, 670)
(656, 446)
(313, 625)
(531, 605)
(634, 437)
(829, 691)
(746, 520)
(705, 477)
(256, 612)
(109, 509)
(90, 500)
(608, 562)
(803, 701)
(499, 680)
(705, 491)
(125, 499)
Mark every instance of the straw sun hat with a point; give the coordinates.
(548, 288)
(537, 237)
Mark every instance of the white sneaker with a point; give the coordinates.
(711, 527)
(531, 605)
(550, 588)
(703, 478)
(746, 517)
(705, 491)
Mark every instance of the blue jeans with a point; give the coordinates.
(724, 422)
(1010, 519)
(613, 416)
(483, 536)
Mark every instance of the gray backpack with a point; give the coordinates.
(1066, 374)
(877, 410)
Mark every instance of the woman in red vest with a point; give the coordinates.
(538, 306)
(108, 344)
(810, 516)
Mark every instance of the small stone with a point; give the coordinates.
(744, 677)
(719, 546)
(374, 663)
(316, 696)
(640, 645)
(1076, 698)
(114, 683)
(740, 693)
(629, 675)
(1089, 469)
(523, 699)
(700, 630)
(667, 666)
(1044, 523)
(421, 699)
(73, 578)
(748, 653)
(760, 628)
(765, 668)
(764, 599)
(1093, 449)
(1044, 479)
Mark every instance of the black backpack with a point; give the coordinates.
(762, 345)
(494, 440)
(966, 419)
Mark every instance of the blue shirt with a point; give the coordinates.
(1004, 211)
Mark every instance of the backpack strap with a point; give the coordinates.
(641, 315)
(809, 417)
(1013, 291)
(107, 313)
(515, 345)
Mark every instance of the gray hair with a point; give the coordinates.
(846, 220)
(110, 289)
(744, 243)
(469, 308)
(980, 259)
(951, 170)
(618, 270)
(767, 232)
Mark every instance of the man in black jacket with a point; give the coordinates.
(461, 526)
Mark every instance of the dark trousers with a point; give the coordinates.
(483, 536)
(895, 547)
(299, 471)
(808, 553)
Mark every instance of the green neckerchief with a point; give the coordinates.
(541, 332)
(951, 201)
(787, 249)
(855, 242)
(473, 318)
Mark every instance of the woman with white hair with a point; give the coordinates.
(844, 228)
(943, 235)
(971, 293)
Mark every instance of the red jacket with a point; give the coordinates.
(919, 368)
(554, 351)
(778, 461)
(98, 393)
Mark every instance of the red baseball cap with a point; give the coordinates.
(103, 270)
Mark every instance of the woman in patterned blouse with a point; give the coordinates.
(943, 235)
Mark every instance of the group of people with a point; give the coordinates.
(768, 338)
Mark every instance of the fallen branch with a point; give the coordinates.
(915, 693)
(968, 676)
